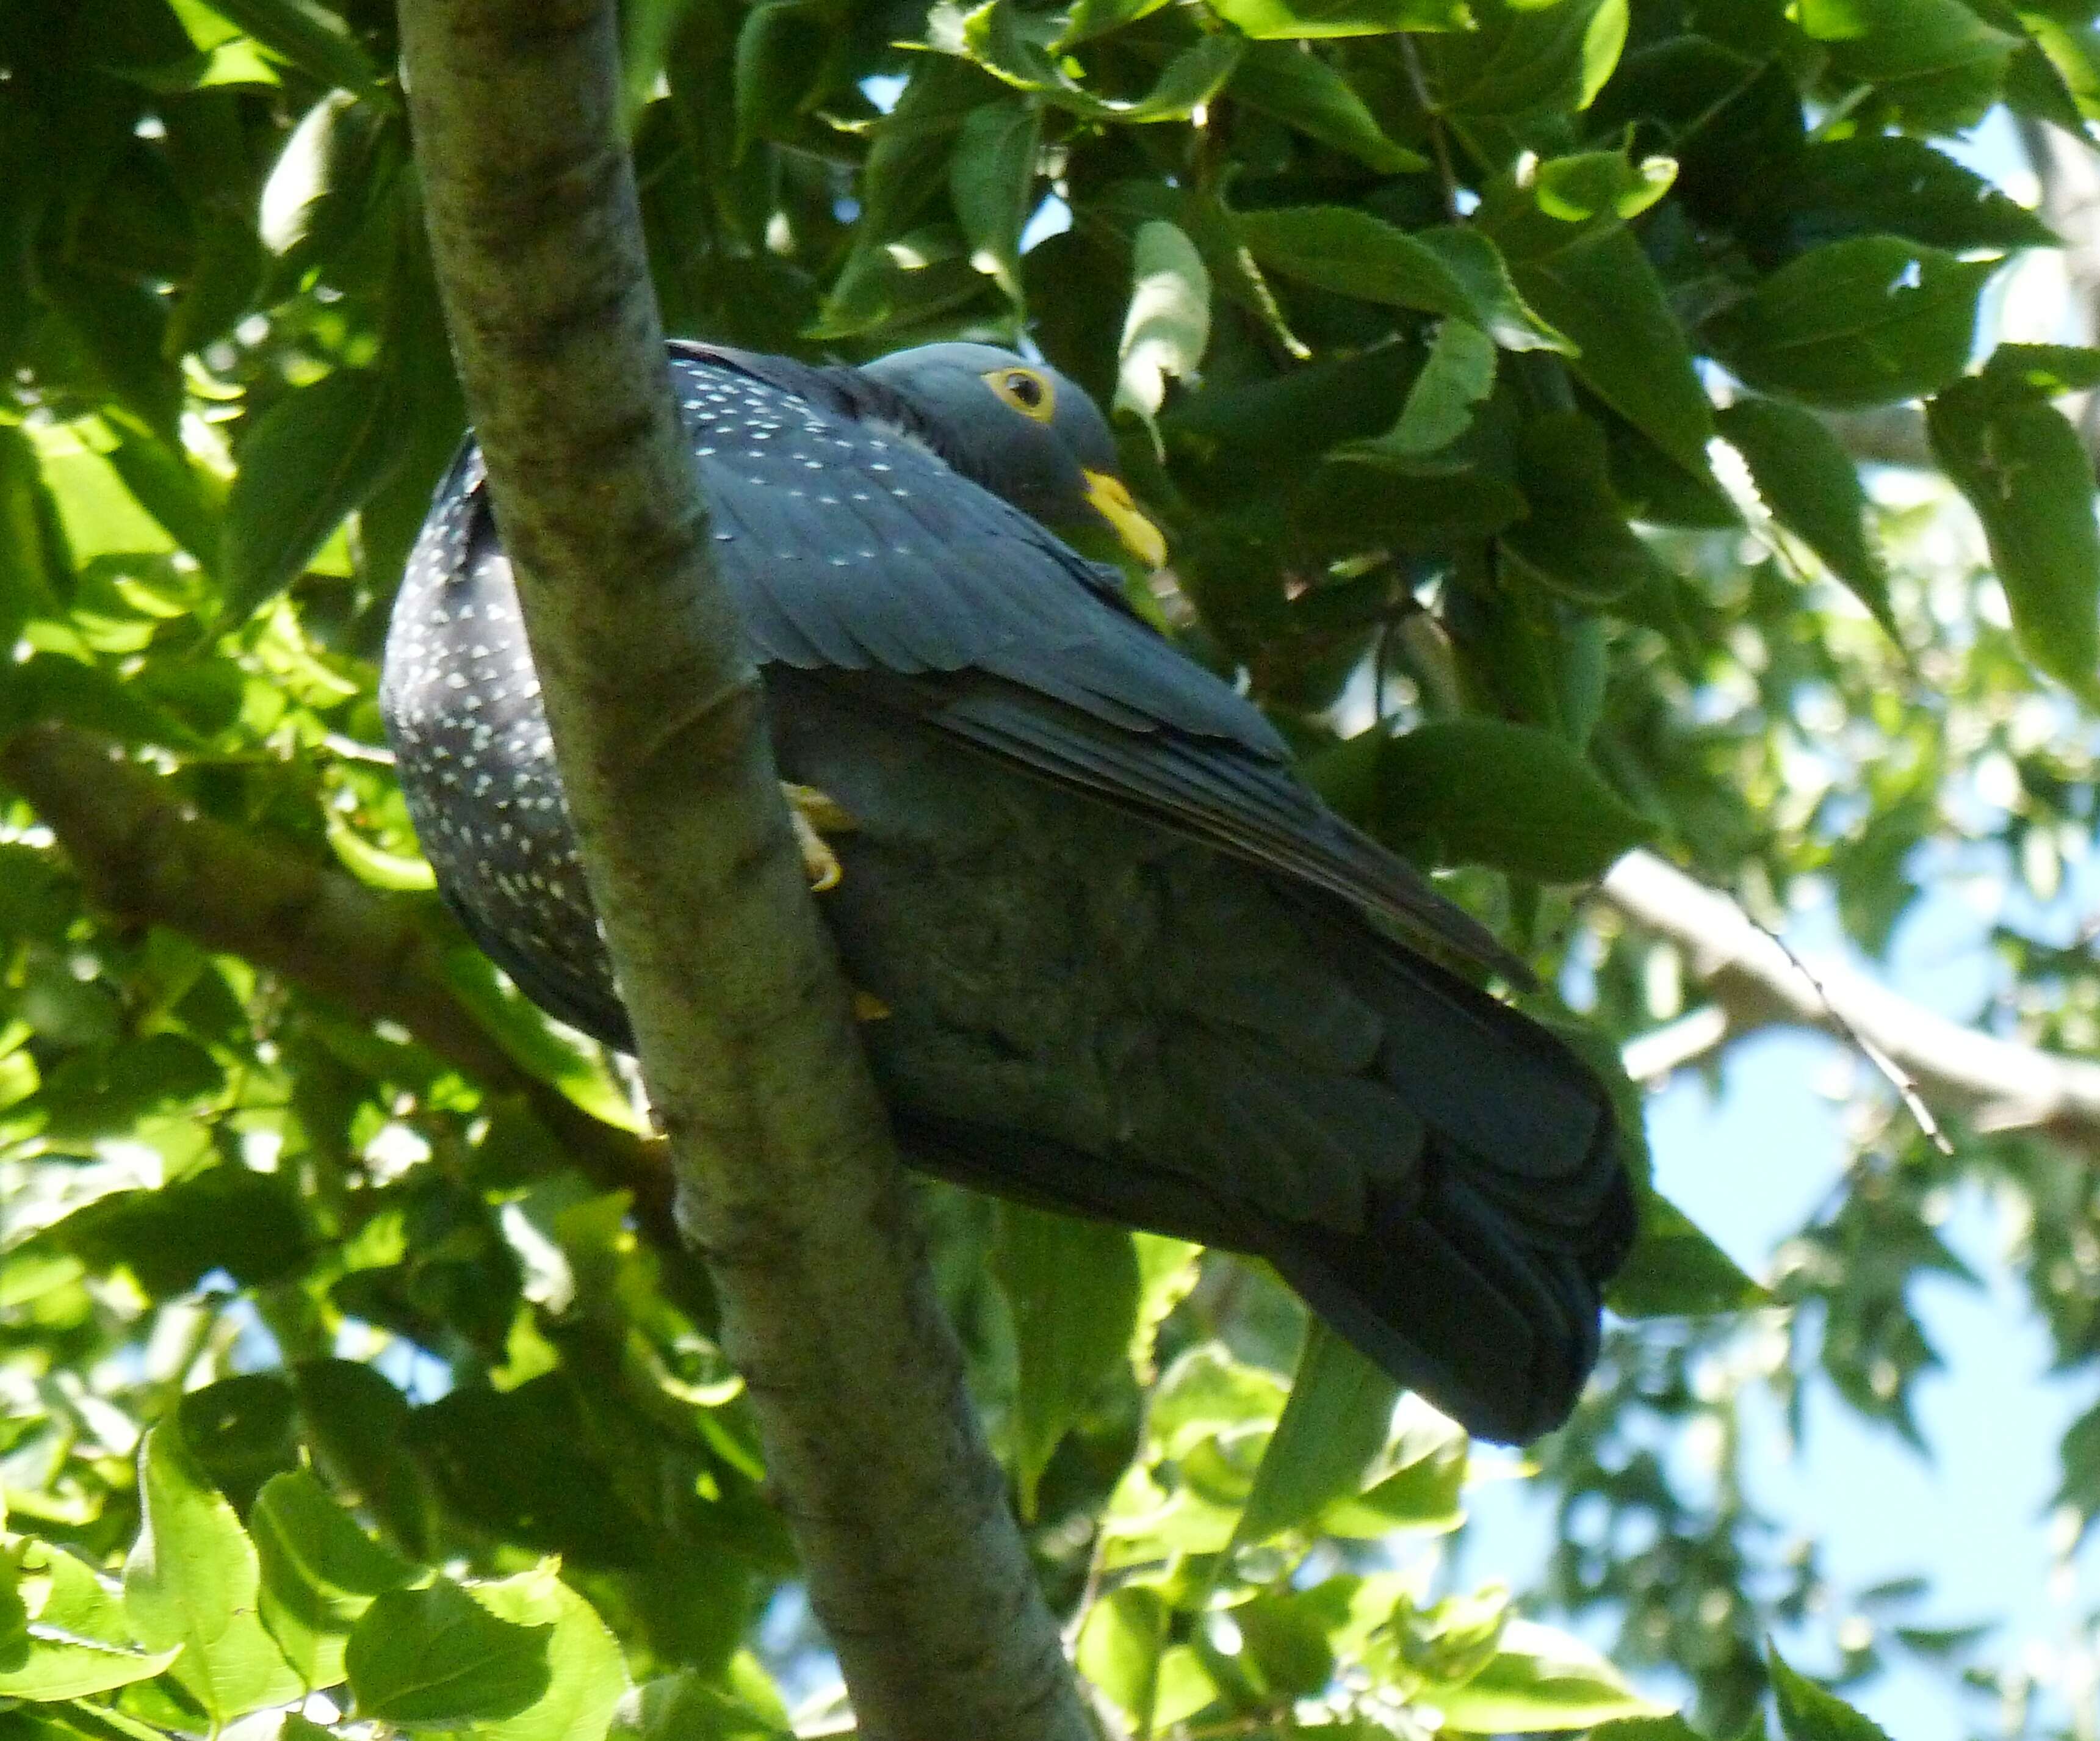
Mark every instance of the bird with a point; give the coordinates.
(1123, 962)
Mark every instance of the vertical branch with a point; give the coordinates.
(788, 1181)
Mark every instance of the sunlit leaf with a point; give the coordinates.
(1862, 322)
(1442, 272)
(1168, 325)
(1331, 1431)
(1676, 1270)
(990, 180)
(1539, 1680)
(1300, 88)
(1807, 1712)
(1808, 481)
(586, 1676)
(435, 1654)
(71, 1637)
(2029, 480)
(308, 35)
(1332, 17)
(193, 1581)
(312, 458)
(1072, 1288)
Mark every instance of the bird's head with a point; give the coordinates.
(1025, 432)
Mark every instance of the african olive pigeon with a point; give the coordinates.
(1130, 966)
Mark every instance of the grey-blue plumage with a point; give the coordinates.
(1130, 959)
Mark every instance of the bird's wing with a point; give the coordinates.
(853, 546)
(855, 550)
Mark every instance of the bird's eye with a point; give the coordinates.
(1028, 392)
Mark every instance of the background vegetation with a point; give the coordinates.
(1503, 372)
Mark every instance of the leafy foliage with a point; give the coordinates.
(344, 1315)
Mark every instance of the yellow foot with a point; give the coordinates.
(815, 814)
(867, 1007)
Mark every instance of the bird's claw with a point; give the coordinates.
(814, 813)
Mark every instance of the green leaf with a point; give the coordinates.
(1575, 540)
(1935, 62)
(2051, 370)
(1810, 484)
(648, 29)
(1417, 1483)
(1593, 281)
(1299, 88)
(310, 460)
(307, 36)
(1670, 1728)
(990, 179)
(239, 1431)
(1307, 18)
(1351, 509)
(1073, 1289)
(2028, 476)
(1863, 322)
(67, 1636)
(1187, 81)
(330, 179)
(321, 1571)
(193, 1581)
(786, 52)
(1207, 1392)
(1120, 1643)
(1166, 1271)
(1168, 325)
(683, 1707)
(372, 864)
(1807, 1712)
(97, 512)
(188, 502)
(30, 557)
(49, 686)
(436, 1655)
(575, 1066)
(1018, 47)
(1674, 1270)
(587, 1674)
(1096, 18)
(2056, 77)
(1600, 183)
(1285, 1641)
(1525, 57)
(1888, 183)
(1538, 1681)
(359, 1427)
(1483, 792)
(1331, 1432)
(121, 329)
(224, 1218)
(1450, 272)
(1459, 373)
(231, 260)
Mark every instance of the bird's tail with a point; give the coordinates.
(1478, 1277)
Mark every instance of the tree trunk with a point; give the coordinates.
(788, 1181)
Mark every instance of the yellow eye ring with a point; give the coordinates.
(1031, 393)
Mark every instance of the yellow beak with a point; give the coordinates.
(1140, 537)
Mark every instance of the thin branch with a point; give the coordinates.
(1752, 981)
(1411, 58)
(787, 1177)
(147, 858)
